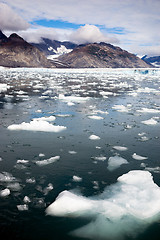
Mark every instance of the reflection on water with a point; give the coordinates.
(106, 123)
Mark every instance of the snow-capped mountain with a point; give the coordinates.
(54, 47)
(155, 61)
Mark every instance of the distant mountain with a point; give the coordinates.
(16, 52)
(155, 61)
(54, 47)
(102, 55)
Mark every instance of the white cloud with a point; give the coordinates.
(90, 34)
(137, 21)
(9, 20)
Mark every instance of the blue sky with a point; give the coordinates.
(132, 25)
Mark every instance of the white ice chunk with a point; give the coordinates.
(121, 108)
(41, 155)
(150, 122)
(95, 117)
(94, 137)
(138, 157)
(3, 87)
(115, 162)
(74, 99)
(148, 110)
(48, 161)
(125, 208)
(26, 199)
(5, 192)
(23, 207)
(120, 148)
(72, 152)
(41, 126)
(48, 119)
(22, 161)
(77, 179)
(6, 177)
(100, 158)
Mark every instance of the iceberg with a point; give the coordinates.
(125, 208)
(41, 126)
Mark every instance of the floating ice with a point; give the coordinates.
(41, 155)
(14, 186)
(3, 87)
(125, 208)
(22, 161)
(26, 199)
(77, 179)
(48, 161)
(22, 207)
(48, 188)
(6, 177)
(74, 99)
(100, 158)
(150, 122)
(138, 157)
(48, 119)
(5, 192)
(121, 108)
(95, 117)
(41, 126)
(94, 137)
(120, 148)
(148, 110)
(72, 152)
(115, 162)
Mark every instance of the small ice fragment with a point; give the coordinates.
(94, 137)
(48, 189)
(48, 119)
(48, 161)
(22, 207)
(26, 199)
(22, 161)
(100, 158)
(14, 186)
(138, 157)
(0, 159)
(77, 179)
(150, 121)
(95, 117)
(41, 155)
(70, 104)
(72, 152)
(148, 110)
(5, 192)
(30, 180)
(120, 148)
(115, 162)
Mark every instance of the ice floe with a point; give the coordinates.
(138, 157)
(124, 208)
(23, 207)
(121, 108)
(5, 192)
(95, 117)
(150, 121)
(73, 99)
(48, 119)
(115, 162)
(100, 158)
(120, 148)
(94, 137)
(41, 126)
(47, 161)
(77, 178)
(148, 110)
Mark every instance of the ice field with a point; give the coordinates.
(80, 154)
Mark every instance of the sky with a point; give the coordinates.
(133, 25)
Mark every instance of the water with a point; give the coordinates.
(75, 98)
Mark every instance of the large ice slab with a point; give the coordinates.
(124, 208)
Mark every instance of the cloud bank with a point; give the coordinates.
(9, 20)
(135, 23)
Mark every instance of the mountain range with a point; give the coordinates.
(16, 52)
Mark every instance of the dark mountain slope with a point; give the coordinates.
(102, 55)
